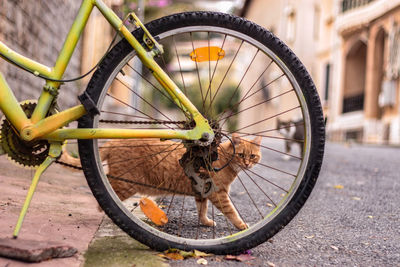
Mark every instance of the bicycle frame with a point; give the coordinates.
(41, 127)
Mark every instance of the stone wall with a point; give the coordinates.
(37, 29)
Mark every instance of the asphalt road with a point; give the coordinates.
(352, 217)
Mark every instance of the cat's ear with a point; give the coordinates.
(257, 140)
(236, 139)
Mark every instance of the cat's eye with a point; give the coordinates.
(241, 155)
(252, 156)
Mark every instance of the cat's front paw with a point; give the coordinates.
(242, 226)
(208, 222)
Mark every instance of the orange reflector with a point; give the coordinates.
(153, 212)
(212, 53)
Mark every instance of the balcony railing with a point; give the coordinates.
(352, 4)
(353, 103)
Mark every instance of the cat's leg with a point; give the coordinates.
(223, 203)
(288, 147)
(202, 208)
(301, 149)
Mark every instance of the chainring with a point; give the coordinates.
(25, 154)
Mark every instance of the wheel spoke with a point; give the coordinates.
(240, 83)
(266, 119)
(223, 79)
(144, 100)
(197, 70)
(253, 106)
(209, 89)
(180, 67)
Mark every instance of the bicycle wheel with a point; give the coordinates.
(258, 97)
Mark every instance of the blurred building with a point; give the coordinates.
(37, 29)
(352, 50)
(364, 103)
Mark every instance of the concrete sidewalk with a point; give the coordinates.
(64, 210)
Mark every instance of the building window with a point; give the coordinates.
(317, 21)
(327, 81)
(353, 103)
(352, 4)
(291, 24)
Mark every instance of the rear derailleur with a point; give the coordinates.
(197, 164)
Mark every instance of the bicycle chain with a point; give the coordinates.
(143, 122)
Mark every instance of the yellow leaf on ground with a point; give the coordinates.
(338, 186)
(198, 253)
(186, 254)
(309, 236)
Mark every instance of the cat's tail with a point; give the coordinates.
(67, 158)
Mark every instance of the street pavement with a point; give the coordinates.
(352, 217)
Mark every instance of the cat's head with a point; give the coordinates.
(247, 151)
(283, 126)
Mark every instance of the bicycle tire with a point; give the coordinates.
(310, 108)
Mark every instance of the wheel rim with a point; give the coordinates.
(277, 206)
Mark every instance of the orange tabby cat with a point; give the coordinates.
(132, 159)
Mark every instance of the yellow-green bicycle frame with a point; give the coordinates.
(38, 126)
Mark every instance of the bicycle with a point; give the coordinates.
(235, 76)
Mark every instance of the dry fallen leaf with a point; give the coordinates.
(197, 253)
(186, 254)
(174, 256)
(338, 186)
(230, 257)
(356, 198)
(245, 257)
(335, 247)
(309, 236)
(241, 257)
(269, 205)
(270, 264)
(370, 216)
(202, 261)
